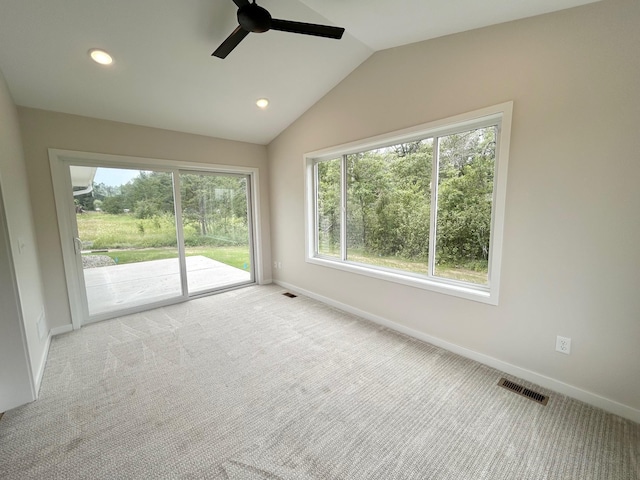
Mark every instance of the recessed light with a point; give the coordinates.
(100, 56)
(262, 103)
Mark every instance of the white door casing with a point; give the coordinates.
(60, 162)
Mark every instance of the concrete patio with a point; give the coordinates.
(116, 287)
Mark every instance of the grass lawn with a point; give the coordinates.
(234, 256)
(99, 230)
(131, 240)
(451, 272)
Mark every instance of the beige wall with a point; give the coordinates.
(571, 250)
(22, 352)
(42, 130)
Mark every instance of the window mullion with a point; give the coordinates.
(435, 170)
(316, 209)
(177, 205)
(343, 208)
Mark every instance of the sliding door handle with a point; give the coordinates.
(77, 245)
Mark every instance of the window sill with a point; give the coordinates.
(480, 294)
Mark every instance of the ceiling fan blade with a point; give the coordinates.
(307, 28)
(230, 43)
(241, 3)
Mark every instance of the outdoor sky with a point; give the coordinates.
(114, 177)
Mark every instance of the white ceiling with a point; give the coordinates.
(163, 75)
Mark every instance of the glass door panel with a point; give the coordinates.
(126, 231)
(216, 225)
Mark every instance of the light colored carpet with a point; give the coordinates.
(251, 384)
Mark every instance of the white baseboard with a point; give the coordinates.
(547, 382)
(43, 363)
(60, 330)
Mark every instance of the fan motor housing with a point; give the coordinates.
(254, 18)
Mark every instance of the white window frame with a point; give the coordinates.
(499, 115)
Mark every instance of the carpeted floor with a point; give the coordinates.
(251, 384)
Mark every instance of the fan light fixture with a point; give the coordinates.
(262, 103)
(100, 56)
(253, 18)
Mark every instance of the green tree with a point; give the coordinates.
(146, 209)
(217, 206)
(329, 206)
(149, 194)
(367, 181)
(465, 198)
(102, 191)
(113, 205)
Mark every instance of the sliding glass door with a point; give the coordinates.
(147, 237)
(216, 227)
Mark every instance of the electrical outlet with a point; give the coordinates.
(279, 265)
(275, 264)
(563, 345)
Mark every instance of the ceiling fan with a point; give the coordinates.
(253, 18)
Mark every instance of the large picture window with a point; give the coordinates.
(423, 207)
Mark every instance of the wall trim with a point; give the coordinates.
(16, 303)
(41, 367)
(60, 330)
(585, 396)
(45, 355)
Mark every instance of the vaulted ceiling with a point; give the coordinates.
(163, 74)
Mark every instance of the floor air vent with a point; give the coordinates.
(290, 295)
(525, 392)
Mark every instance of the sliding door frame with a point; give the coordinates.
(250, 222)
(61, 160)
